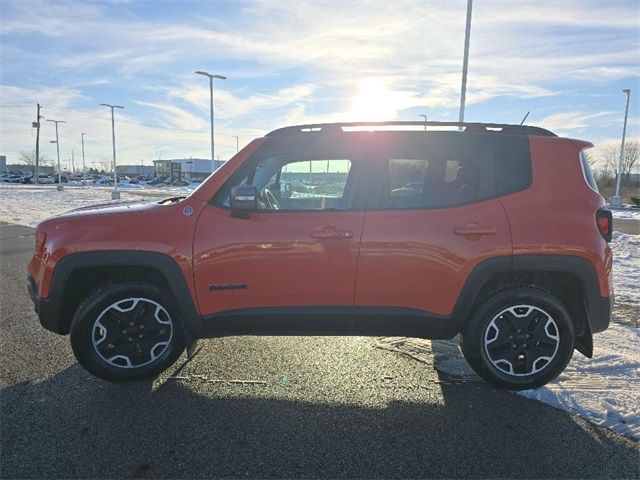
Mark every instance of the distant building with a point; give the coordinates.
(185, 168)
(3, 163)
(24, 168)
(136, 170)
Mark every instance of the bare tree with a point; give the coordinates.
(591, 159)
(29, 158)
(629, 160)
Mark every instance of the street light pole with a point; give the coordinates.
(115, 195)
(84, 170)
(57, 142)
(616, 201)
(237, 142)
(465, 63)
(211, 77)
(425, 121)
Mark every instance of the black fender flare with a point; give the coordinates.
(50, 308)
(597, 308)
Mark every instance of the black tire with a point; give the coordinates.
(532, 368)
(133, 358)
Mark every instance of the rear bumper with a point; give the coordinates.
(47, 309)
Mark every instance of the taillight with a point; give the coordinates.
(604, 221)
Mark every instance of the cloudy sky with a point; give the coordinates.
(295, 61)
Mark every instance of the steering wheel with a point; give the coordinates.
(270, 199)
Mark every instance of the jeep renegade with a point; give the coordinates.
(493, 232)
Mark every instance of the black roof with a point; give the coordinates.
(464, 126)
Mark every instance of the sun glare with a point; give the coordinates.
(373, 102)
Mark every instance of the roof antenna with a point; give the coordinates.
(525, 117)
(425, 121)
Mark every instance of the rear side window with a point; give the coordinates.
(588, 174)
(442, 173)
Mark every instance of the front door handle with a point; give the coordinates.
(331, 233)
(475, 230)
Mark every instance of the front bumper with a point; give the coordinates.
(48, 310)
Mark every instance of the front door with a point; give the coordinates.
(293, 257)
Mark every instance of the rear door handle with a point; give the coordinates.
(474, 229)
(326, 233)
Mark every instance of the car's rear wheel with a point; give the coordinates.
(127, 331)
(519, 338)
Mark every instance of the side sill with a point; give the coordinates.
(329, 321)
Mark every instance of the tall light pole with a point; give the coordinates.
(211, 77)
(84, 170)
(465, 62)
(115, 195)
(57, 142)
(237, 142)
(616, 201)
(425, 121)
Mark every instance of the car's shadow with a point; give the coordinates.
(73, 425)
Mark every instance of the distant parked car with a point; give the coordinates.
(104, 181)
(17, 177)
(44, 178)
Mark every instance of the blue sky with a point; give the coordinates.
(293, 62)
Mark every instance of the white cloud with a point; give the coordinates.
(305, 61)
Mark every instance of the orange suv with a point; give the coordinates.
(493, 232)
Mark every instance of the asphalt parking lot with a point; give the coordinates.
(267, 407)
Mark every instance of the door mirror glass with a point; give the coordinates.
(243, 200)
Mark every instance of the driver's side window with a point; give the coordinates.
(294, 184)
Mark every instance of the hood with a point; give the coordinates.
(103, 209)
(121, 206)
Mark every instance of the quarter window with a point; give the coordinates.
(446, 171)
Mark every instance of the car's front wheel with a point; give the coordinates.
(519, 338)
(127, 331)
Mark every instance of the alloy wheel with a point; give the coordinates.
(132, 333)
(521, 340)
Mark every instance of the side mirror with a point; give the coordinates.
(243, 200)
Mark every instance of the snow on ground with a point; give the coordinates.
(626, 213)
(603, 389)
(626, 267)
(31, 204)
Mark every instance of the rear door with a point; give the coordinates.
(435, 216)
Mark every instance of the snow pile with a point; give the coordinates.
(626, 267)
(626, 213)
(604, 389)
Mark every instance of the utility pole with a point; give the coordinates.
(465, 63)
(57, 142)
(73, 167)
(237, 144)
(115, 195)
(211, 77)
(616, 201)
(84, 171)
(36, 124)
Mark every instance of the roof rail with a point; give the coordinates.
(468, 127)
